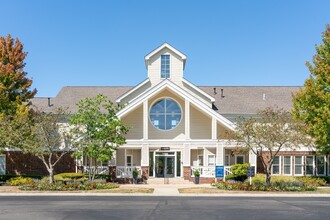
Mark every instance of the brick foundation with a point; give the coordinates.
(18, 163)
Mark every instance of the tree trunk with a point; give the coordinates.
(51, 175)
(268, 175)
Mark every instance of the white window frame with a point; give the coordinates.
(287, 174)
(160, 69)
(4, 160)
(279, 166)
(228, 160)
(131, 156)
(198, 160)
(239, 155)
(305, 165)
(324, 165)
(208, 160)
(301, 166)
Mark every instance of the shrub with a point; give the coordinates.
(239, 172)
(43, 186)
(312, 181)
(4, 178)
(19, 181)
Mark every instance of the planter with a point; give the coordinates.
(135, 178)
(197, 179)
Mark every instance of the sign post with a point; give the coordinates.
(250, 173)
(219, 172)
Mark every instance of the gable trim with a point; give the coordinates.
(165, 45)
(132, 90)
(168, 84)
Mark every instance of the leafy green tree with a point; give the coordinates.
(45, 135)
(269, 132)
(312, 102)
(98, 130)
(14, 86)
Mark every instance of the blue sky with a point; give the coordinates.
(227, 43)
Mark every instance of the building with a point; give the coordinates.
(177, 127)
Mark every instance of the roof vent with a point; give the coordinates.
(264, 96)
(215, 91)
(49, 104)
(222, 95)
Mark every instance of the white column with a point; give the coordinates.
(186, 155)
(187, 119)
(220, 154)
(145, 120)
(145, 155)
(214, 128)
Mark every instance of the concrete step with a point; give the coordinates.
(177, 180)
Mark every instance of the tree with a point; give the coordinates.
(45, 135)
(312, 103)
(14, 86)
(272, 130)
(98, 130)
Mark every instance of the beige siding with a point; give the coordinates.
(222, 132)
(120, 157)
(177, 133)
(176, 67)
(200, 124)
(136, 153)
(134, 120)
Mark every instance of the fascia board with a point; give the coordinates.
(199, 90)
(132, 90)
(182, 93)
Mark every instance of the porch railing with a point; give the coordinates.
(99, 169)
(209, 171)
(126, 171)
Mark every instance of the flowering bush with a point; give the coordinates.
(19, 181)
(43, 186)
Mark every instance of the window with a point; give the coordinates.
(211, 160)
(298, 165)
(227, 161)
(129, 160)
(165, 67)
(309, 165)
(287, 165)
(239, 159)
(165, 114)
(2, 164)
(200, 160)
(320, 165)
(276, 165)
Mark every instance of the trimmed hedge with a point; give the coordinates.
(42, 186)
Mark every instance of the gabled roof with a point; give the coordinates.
(167, 84)
(132, 90)
(165, 45)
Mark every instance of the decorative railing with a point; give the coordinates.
(209, 171)
(126, 172)
(99, 169)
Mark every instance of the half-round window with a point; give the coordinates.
(165, 114)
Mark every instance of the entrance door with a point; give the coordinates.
(164, 166)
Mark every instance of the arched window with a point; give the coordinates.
(165, 114)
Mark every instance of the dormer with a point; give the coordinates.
(165, 62)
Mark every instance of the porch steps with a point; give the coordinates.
(177, 180)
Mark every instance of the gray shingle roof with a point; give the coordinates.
(237, 100)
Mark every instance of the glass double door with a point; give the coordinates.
(164, 166)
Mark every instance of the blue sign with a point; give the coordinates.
(219, 171)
